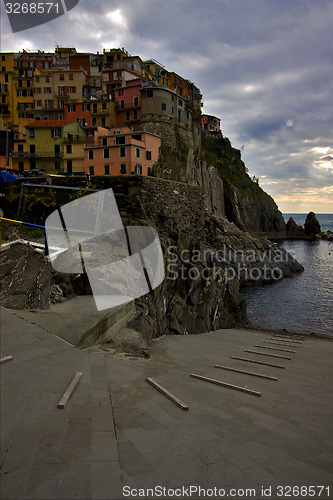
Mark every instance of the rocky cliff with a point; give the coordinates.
(212, 163)
(207, 259)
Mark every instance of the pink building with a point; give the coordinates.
(122, 151)
(210, 124)
(128, 100)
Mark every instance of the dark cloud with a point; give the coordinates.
(263, 66)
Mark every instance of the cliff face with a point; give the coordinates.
(207, 259)
(215, 165)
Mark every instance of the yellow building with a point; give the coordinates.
(56, 88)
(7, 87)
(20, 156)
(48, 145)
(103, 112)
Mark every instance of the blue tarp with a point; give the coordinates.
(6, 177)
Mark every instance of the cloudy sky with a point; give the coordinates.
(264, 67)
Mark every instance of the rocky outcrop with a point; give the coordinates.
(311, 226)
(293, 230)
(207, 259)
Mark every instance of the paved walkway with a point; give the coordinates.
(118, 431)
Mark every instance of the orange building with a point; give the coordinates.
(210, 124)
(122, 151)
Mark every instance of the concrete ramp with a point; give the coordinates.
(78, 322)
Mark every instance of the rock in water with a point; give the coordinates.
(311, 226)
(293, 229)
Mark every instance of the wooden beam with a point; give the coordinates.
(6, 359)
(224, 384)
(286, 340)
(69, 391)
(167, 394)
(245, 372)
(266, 354)
(291, 337)
(273, 348)
(257, 362)
(280, 343)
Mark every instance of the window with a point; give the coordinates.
(21, 165)
(138, 169)
(6, 78)
(57, 150)
(91, 154)
(150, 93)
(123, 151)
(32, 164)
(163, 106)
(135, 115)
(180, 102)
(106, 153)
(62, 90)
(32, 149)
(71, 108)
(137, 152)
(122, 104)
(179, 114)
(57, 164)
(128, 115)
(91, 170)
(120, 140)
(103, 122)
(56, 133)
(72, 90)
(38, 103)
(71, 76)
(105, 141)
(69, 149)
(49, 104)
(106, 169)
(47, 90)
(121, 92)
(20, 148)
(61, 104)
(149, 170)
(94, 108)
(93, 122)
(104, 106)
(37, 90)
(123, 168)
(62, 76)
(136, 101)
(69, 167)
(148, 155)
(172, 110)
(47, 79)
(31, 132)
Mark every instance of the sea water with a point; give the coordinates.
(304, 303)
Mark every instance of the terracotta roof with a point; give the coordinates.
(50, 123)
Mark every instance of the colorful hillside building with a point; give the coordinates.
(56, 146)
(122, 151)
(210, 124)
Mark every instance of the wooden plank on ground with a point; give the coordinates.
(224, 384)
(280, 343)
(291, 337)
(280, 339)
(273, 348)
(257, 362)
(69, 391)
(167, 394)
(266, 354)
(6, 359)
(245, 372)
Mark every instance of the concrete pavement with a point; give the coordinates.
(117, 431)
